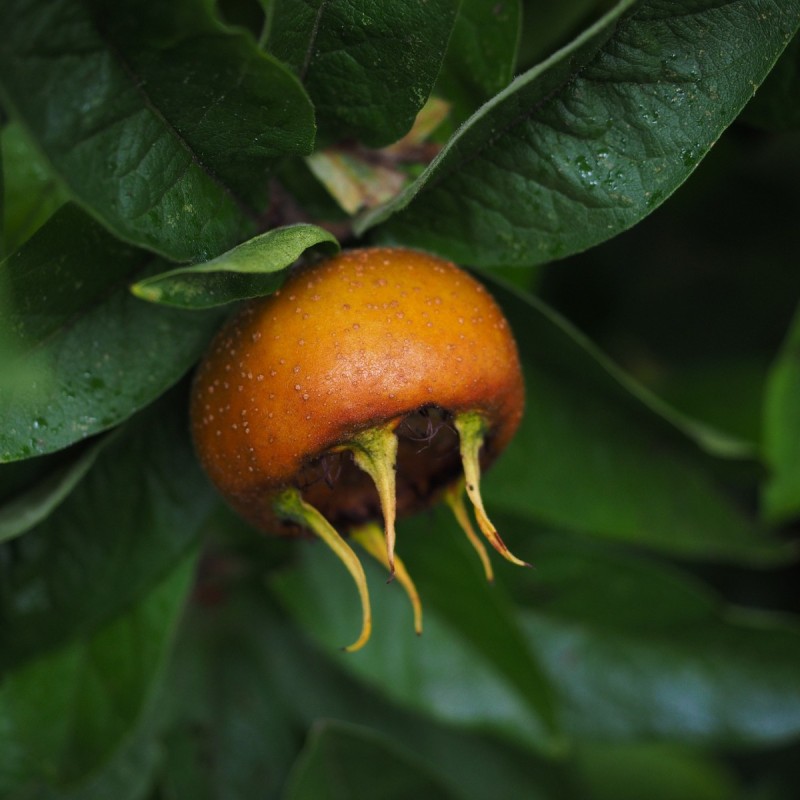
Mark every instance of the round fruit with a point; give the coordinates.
(370, 385)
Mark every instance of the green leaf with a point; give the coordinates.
(586, 144)
(251, 269)
(128, 775)
(458, 673)
(343, 761)
(31, 192)
(66, 713)
(653, 770)
(368, 65)
(220, 700)
(37, 503)
(639, 651)
(481, 55)
(129, 521)
(598, 454)
(445, 567)
(89, 353)
(781, 495)
(158, 119)
(313, 684)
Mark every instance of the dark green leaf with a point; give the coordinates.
(251, 269)
(313, 684)
(369, 65)
(583, 146)
(158, 119)
(34, 505)
(781, 496)
(454, 585)
(127, 523)
(128, 775)
(450, 673)
(639, 651)
(31, 192)
(482, 54)
(653, 770)
(65, 714)
(90, 354)
(342, 762)
(222, 702)
(597, 453)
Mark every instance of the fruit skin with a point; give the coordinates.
(368, 337)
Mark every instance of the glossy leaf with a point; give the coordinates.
(342, 761)
(781, 497)
(251, 269)
(90, 353)
(368, 65)
(139, 128)
(638, 651)
(481, 55)
(581, 147)
(597, 453)
(130, 520)
(65, 714)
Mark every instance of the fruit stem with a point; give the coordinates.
(290, 506)
(454, 497)
(375, 451)
(370, 537)
(471, 428)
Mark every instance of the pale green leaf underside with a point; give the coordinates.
(251, 269)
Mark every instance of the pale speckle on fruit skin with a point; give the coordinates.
(386, 332)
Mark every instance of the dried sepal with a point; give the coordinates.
(371, 538)
(289, 506)
(375, 451)
(472, 427)
(454, 497)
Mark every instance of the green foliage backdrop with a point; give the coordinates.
(163, 161)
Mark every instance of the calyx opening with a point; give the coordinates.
(400, 466)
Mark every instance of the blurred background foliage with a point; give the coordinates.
(153, 647)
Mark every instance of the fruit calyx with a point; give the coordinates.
(375, 453)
